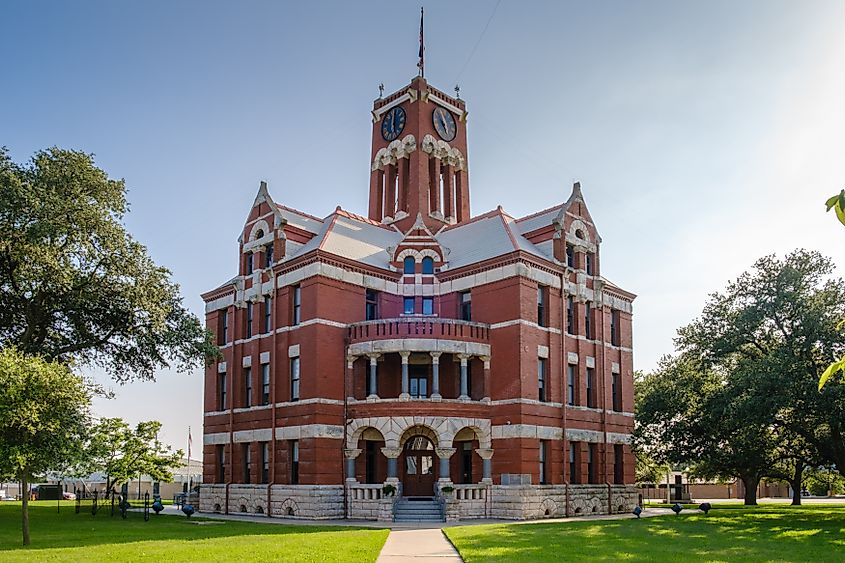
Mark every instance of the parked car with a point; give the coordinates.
(68, 496)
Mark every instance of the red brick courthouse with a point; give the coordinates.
(420, 347)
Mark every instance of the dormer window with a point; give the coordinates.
(590, 260)
(409, 265)
(249, 261)
(570, 256)
(427, 265)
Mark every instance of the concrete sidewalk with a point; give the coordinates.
(418, 545)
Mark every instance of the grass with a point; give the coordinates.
(764, 533)
(81, 537)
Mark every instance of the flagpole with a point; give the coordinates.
(189, 459)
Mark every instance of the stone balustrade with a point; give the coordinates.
(416, 327)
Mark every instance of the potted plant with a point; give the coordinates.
(447, 490)
(388, 490)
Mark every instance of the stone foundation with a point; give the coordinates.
(315, 502)
(467, 502)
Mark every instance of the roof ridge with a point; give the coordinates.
(508, 228)
(538, 213)
(485, 215)
(340, 211)
(298, 212)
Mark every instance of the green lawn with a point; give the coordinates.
(767, 533)
(82, 537)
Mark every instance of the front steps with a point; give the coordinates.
(417, 509)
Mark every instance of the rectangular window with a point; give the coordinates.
(247, 462)
(590, 257)
(268, 314)
(249, 264)
(570, 256)
(541, 378)
(371, 307)
(247, 387)
(418, 381)
(614, 327)
(156, 488)
(408, 307)
(221, 391)
(265, 384)
(591, 464)
(265, 462)
(428, 305)
(268, 255)
(570, 315)
(224, 327)
(542, 293)
(616, 391)
(249, 320)
(544, 453)
(370, 461)
(294, 379)
(618, 464)
(588, 321)
(293, 449)
(571, 384)
(574, 472)
(296, 305)
(591, 388)
(221, 463)
(466, 306)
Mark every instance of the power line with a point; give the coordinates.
(477, 43)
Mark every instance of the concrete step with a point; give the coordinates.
(417, 511)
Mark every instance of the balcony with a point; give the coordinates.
(419, 328)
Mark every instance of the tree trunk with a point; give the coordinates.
(750, 485)
(25, 509)
(795, 483)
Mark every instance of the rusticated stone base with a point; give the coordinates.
(316, 502)
(507, 502)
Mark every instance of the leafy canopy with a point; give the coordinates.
(74, 284)
(123, 452)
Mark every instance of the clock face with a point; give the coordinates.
(393, 123)
(444, 124)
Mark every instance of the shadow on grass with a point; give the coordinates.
(763, 533)
(50, 529)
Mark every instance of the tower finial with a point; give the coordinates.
(421, 63)
(381, 90)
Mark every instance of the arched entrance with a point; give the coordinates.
(418, 478)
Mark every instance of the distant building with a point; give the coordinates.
(419, 347)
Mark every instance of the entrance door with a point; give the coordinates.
(419, 467)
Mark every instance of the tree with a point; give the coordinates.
(778, 321)
(837, 203)
(44, 417)
(74, 285)
(705, 419)
(123, 452)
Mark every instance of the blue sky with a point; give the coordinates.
(705, 135)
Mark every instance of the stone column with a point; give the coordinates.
(444, 454)
(392, 455)
(350, 380)
(486, 455)
(373, 379)
(405, 394)
(351, 454)
(435, 375)
(486, 393)
(464, 396)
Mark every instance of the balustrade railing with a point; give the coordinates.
(363, 491)
(453, 329)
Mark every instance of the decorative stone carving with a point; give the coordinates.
(394, 151)
(441, 149)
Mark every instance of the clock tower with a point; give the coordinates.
(419, 162)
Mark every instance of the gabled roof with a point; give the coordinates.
(353, 237)
(538, 220)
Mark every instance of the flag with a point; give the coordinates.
(190, 442)
(421, 63)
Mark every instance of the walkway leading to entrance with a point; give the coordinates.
(418, 545)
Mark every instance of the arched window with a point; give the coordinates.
(409, 265)
(428, 265)
(259, 234)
